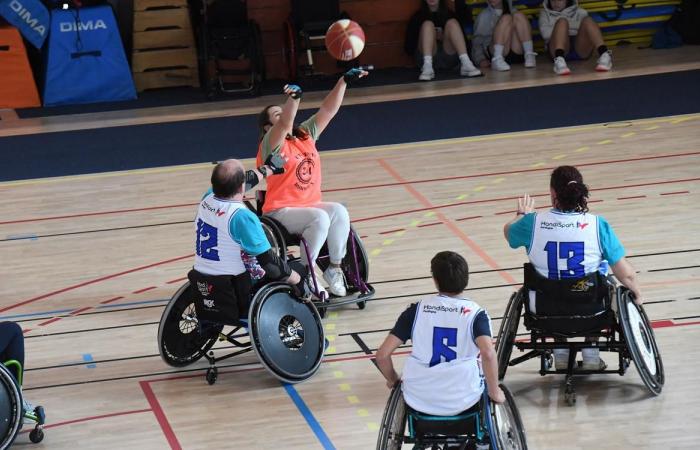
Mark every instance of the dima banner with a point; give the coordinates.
(29, 16)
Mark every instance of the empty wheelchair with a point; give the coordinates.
(355, 265)
(12, 413)
(486, 425)
(284, 331)
(592, 307)
(231, 48)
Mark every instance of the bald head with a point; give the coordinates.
(227, 178)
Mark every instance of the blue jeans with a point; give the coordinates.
(11, 343)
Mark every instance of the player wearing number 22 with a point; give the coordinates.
(451, 338)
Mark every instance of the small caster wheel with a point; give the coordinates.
(212, 374)
(322, 312)
(362, 304)
(548, 361)
(36, 435)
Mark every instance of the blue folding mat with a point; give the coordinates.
(84, 59)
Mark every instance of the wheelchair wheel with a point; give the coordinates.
(348, 263)
(508, 331)
(181, 338)
(506, 426)
(641, 342)
(391, 431)
(286, 333)
(10, 408)
(274, 236)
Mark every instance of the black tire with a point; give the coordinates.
(508, 330)
(181, 340)
(36, 435)
(641, 341)
(274, 236)
(508, 425)
(10, 408)
(286, 333)
(393, 425)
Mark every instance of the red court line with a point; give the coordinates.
(176, 280)
(114, 299)
(79, 310)
(160, 415)
(449, 223)
(429, 224)
(50, 321)
(144, 290)
(674, 193)
(91, 418)
(392, 231)
(634, 196)
(89, 282)
(469, 218)
(101, 213)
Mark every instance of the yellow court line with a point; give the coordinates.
(374, 149)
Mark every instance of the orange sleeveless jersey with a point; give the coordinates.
(300, 184)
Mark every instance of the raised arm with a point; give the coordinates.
(526, 204)
(284, 125)
(331, 104)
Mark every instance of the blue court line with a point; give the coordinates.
(143, 302)
(308, 415)
(18, 237)
(87, 357)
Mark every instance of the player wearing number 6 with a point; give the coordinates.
(568, 242)
(450, 334)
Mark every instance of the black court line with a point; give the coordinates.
(358, 340)
(73, 233)
(101, 311)
(87, 330)
(673, 268)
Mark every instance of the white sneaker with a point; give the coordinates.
(336, 281)
(604, 63)
(561, 359)
(499, 64)
(560, 67)
(469, 70)
(427, 73)
(591, 359)
(530, 60)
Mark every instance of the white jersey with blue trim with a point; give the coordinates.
(216, 251)
(565, 244)
(442, 375)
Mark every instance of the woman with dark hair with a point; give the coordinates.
(568, 242)
(502, 35)
(294, 197)
(435, 36)
(570, 33)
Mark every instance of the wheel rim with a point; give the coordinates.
(10, 400)
(642, 338)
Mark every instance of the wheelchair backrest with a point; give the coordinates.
(423, 425)
(586, 296)
(227, 13)
(307, 11)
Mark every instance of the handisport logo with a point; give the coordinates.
(25, 15)
(88, 25)
(562, 226)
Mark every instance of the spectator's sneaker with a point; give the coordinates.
(561, 359)
(560, 67)
(604, 63)
(336, 281)
(427, 73)
(468, 70)
(499, 64)
(530, 60)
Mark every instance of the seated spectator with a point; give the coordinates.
(570, 34)
(436, 38)
(503, 35)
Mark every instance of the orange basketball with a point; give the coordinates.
(345, 40)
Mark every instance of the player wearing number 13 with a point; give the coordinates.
(442, 375)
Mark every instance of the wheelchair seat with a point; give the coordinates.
(466, 422)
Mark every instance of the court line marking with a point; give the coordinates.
(361, 150)
(160, 415)
(309, 417)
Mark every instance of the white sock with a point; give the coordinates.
(527, 47)
(497, 51)
(464, 60)
(428, 61)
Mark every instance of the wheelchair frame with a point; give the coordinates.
(17, 412)
(618, 336)
(179, 350)
(488, 416)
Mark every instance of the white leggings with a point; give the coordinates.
(325, 221)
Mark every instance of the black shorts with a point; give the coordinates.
(221, 299)
(441, 59)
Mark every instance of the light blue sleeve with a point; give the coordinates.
(520, 232)
(209, 191)
(245, 228)
(610, 245)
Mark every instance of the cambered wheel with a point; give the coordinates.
(508, 331)
(10, 408)
(509, 431)
(391, 431)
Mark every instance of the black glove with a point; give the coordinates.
(301, 289)
(251, 179)
(293, 91)
(353, 75)
(275, 162)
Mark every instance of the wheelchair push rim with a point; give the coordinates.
(180, 339)
(508, 330)
(10, 404)
(393, 425)
(506, 425)
(274, 237)
(641, 342)
(286, 333)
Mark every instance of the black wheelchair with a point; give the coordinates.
(285, 332)
(12, 412)
(355, 265)
(603, 312)
(486, 425)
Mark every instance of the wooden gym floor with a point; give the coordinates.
(89, 262)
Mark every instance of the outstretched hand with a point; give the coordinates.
(526, 204)
(293, 91)
(353, 75)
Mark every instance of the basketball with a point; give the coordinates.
(345, 40)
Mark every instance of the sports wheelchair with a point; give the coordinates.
(12, 413)
(284, 331)
(486, 425)
(601, 310)
(355, 265)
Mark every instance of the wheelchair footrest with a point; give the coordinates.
(356, 297)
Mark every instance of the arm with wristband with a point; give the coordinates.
(526, 205)
(331, 104)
